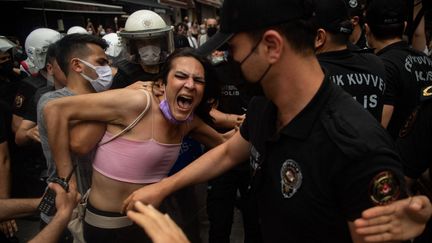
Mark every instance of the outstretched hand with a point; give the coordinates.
(149, 194)
(401, 220)
(160, 227)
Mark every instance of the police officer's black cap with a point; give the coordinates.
(247, 15)
(386, 12)
(332, 15)
(354, 7)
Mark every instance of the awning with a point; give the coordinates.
(147, 3)
(213, 3)
(71, 6)
(178, 3)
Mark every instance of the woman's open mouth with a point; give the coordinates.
(184, 102)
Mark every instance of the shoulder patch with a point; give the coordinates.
(19, 100)
(407, 127)
(384, 188)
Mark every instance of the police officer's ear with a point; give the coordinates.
(320, 39)
(273, 45)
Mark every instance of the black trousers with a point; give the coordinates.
(221, 200)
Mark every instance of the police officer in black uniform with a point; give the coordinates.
(407, 70)
(27, 135)
(148, 41)
(359, 73)
(10, 78)
(414, 144)
(223, 191)
(319, 158)
(28, 171)
(357, 37)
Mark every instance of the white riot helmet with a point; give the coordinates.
(114, 44)
(148, 39)
(36, 45)
(76, 29)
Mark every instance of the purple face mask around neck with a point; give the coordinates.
(164, 107)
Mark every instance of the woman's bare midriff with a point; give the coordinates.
(107, 194)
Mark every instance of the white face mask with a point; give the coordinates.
(150, 55)
(104, 79)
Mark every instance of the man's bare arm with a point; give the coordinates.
(110, 106)
(386, 115)
(84, 136)
(15, 208)
(26, 133)
(5, 175)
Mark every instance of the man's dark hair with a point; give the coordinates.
(338, 37)
(76, 45)
(211, 89)
(385, 32)
(386, 18)
(299, 33)
(51, 53)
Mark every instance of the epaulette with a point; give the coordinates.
(426, 93)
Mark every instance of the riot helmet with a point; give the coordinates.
(115, 46)
(6, 56)
(36, 45)
(147, 38)
(76, 29)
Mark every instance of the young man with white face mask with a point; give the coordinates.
(148, 41)
(85, 64)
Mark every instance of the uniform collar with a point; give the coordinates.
(396, 45)
(335, 54)
(301, 126)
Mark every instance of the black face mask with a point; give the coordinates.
(236, 66)
(6, 68)
(211, 31)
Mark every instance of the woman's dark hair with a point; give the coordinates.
(211, 89)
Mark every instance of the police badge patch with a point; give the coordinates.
(353, 3)
(291, 178)
(384, 188)
(19, 100)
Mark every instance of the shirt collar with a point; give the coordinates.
(301, 126)
(335, 54)
(396, 45)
